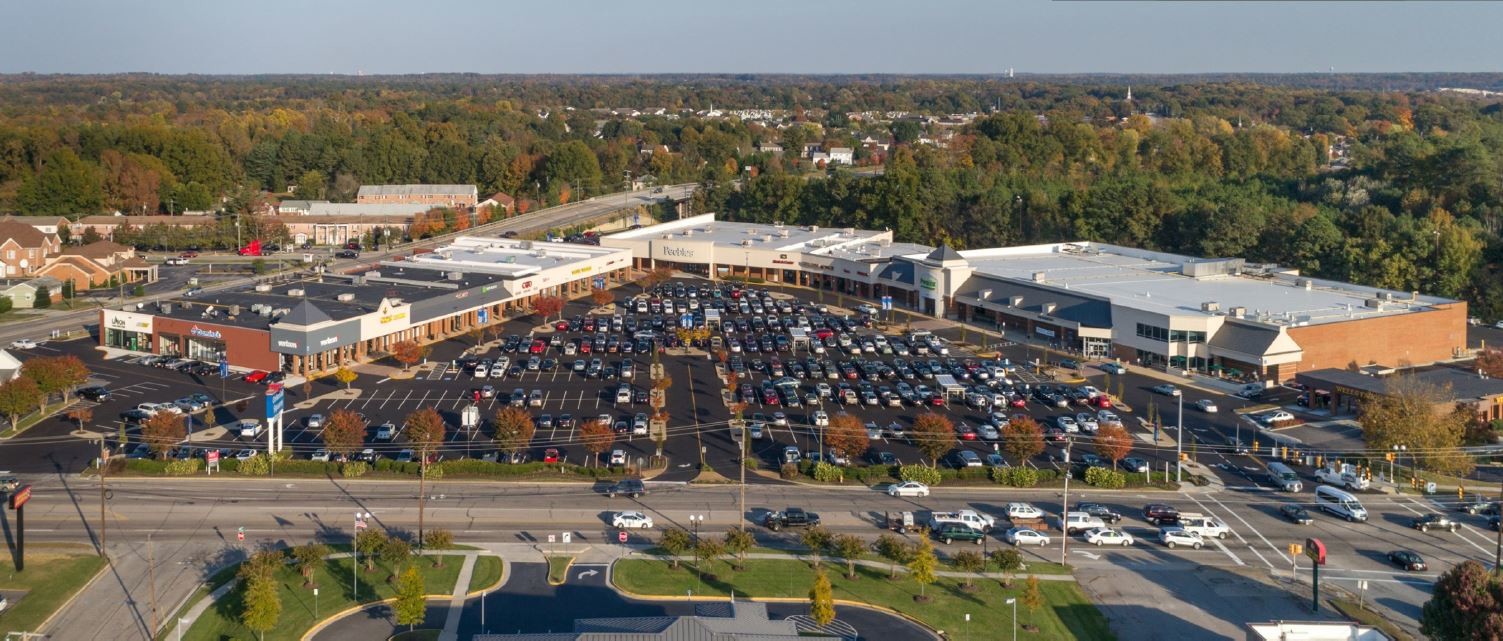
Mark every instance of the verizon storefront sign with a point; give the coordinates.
(313, 341)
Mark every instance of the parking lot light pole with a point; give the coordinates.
(1064, 509)
(1014, 603)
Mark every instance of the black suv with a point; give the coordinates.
(1099, 511)
(97, 394)
(1160, 514)
(629, 487)
(791, 517)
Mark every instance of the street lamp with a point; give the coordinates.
(1396, 450)
(360, 524)
(695, 520)
(1014, 603)
(1179, 436)
(1064, 539)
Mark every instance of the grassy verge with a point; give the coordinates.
(27, 421)
(50, 579)
(1066, 613)
(486, 573)
(558, 569)
(417, 635)
(1350, 610)
(300, 609)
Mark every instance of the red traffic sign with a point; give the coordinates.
(621, 536)
(19, 498)
(1316, 551)
(211, 456)
(240, 534)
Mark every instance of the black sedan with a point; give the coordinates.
(1434, 522)
(1407, 560)
(1296, 514)
(96, 393)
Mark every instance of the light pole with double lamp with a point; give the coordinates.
(1014, 603)
(360, 524)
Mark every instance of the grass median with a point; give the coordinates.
(301, 609)
(49, 580)
(1066, 613)
(486, 573)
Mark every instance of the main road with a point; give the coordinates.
(562, 216)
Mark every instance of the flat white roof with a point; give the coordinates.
(1156, 282)
(1315, 631)
(875, 251)
(416, 190)
(705, 228)
(507, 257)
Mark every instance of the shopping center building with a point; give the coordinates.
(317, 321)
(1215, 315)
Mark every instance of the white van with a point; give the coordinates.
(1081, 521)
(249, 428)
(1339, 503)
(1284, 477)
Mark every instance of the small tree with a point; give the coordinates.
(163, 431)
(410, 607)
(1008, 561)
(596, 436)
(1022, 439)
(17, 397)
(425, 433)
(933, 434)
(345, 376)
(548, 306)
(707, 551)
(969, 562)
(408, 353)
(738, 541)
(81, 415)
(368, 544)
(262, 606)
(1033, 595)
(601, 297)
(849, 548)
(395, 552)
(895, 551)
(514, 429)
(821, 600)
(309, 559)
(817, 539)
(848, 435)
(438, 540)
(675, 542)
(921, 568)
(43, 299)
(263, 564)
(344, 432)
(1113, 443)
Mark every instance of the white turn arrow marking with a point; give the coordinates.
(1090, 555)
(586, 573)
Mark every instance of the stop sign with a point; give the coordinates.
(621, 536)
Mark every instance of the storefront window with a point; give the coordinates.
(205, 350)
(122, 339)
(170, 345)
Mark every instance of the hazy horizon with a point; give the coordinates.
(775, 37)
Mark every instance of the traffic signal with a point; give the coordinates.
(1388, 456)
(1461, 492)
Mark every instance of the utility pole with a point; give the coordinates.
(1179, 437)
(151, 566)
(1064, 539)
(104, 461)
(1498, 546)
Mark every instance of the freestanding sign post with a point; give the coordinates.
(275, 399)
(18, 501)
(1317, 553)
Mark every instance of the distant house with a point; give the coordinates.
(819, 157)
(296, 207)
(23, 295)
(105, 226)
(644, 181)
(842, 155)
(445, 195)
(95, 264)
(10, 368)
(44, 224)
(501, 201)
(769, 148)
(24, 249)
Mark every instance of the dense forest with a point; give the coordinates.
(1375, 179)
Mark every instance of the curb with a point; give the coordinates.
(568, 565)
(333, 618)
(505, 574)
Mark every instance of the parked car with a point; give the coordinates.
(1021, 536)
(1114, 368)
(1108, 536)
(1166, 389)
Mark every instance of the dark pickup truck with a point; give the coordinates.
(791, 518)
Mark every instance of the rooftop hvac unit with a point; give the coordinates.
(688, 232)
(263, 288)
(777, 223)
(850, 231)
(296, 292)
(782, 233)
(767, 238)
(1210, 306)
(813, 228)
(281, 311)
(1038, 277)
(358, 280)
(345, 297)
(746, 243)
(1305, 283)
(526, 244)
(1015, 301)
(1387, 295)
(1237, 312)
(166, 308)
(256, 308)
(372, 274)
(234, 310)
(1373, 303)
(264, 312)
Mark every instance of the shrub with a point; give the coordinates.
(146, 466)
(826, 473)
(354, 469)
(1102, 477)
(789, 471)
(184, 467)
(1023, 477)
(257, 465)
(435, 472)
(751, 463)
(921, 473)
(872, 474)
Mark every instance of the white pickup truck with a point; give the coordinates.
(1205, 525)
(971, 518)
(1345, 476)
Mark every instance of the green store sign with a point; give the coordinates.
(928, 283)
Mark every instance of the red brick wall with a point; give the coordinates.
(244, 347)
(1417, 338)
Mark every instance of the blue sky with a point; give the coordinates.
(757, 36)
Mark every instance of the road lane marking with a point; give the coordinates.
(1254, 530)
(1460, 530)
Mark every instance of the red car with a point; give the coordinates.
(188, 254)
(550, 455)
(561, 326)
(584, 347)
(1102, 401)
(966, 432)
(1017, 401)
(937, 399)
(538, 346)
(256, 376)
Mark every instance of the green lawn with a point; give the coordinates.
(558, 569)
(51, 578)
(1067, 614)
(221, 621)
(486, 573)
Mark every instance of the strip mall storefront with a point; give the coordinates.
(137, 332)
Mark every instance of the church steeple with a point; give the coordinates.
(1129, 93)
